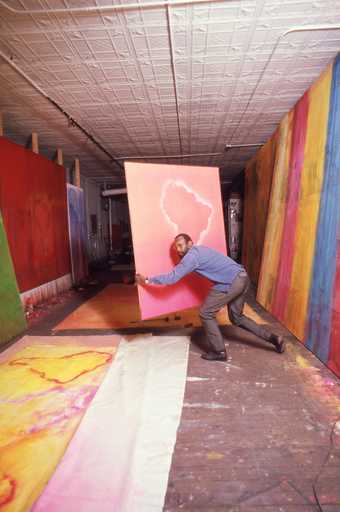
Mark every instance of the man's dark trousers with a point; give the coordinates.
(234, 299)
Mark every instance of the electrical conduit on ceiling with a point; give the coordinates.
(70, 118)
(145, 5)
(100, 8)
(189, 155)
(92, 138)
(95, 9)
(306, 28)
(173, 73)
(91, 10)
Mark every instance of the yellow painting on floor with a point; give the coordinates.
(44, 393)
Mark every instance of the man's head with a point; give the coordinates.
(182, 243)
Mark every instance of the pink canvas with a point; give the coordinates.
(165, 200)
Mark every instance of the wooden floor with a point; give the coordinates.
(260, 433)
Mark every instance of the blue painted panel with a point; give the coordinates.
(320, 304)
(77, 232)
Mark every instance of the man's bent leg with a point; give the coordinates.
(209, 309)
(213, 303)
(235, 309)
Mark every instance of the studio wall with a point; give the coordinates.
(97, 220)
(34, 208)
(299, 275)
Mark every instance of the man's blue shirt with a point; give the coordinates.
(213, 265)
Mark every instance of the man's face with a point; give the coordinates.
(182, 246)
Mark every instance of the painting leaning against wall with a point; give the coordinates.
(34, 211)
(299, 278)
(324, 307)
(12, 318)
(77, 233)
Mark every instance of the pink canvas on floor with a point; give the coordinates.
(165, 200)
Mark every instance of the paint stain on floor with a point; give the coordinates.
(116, 307)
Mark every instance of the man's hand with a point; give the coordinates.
(140, 279)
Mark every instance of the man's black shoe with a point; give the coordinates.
(215, 356)
(278, 343)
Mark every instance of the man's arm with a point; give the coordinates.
(188, 264)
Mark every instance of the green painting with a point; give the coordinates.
(12, 318)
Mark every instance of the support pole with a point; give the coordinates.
(58, 157)
(33, 143)
(76, 172)
(110, 223)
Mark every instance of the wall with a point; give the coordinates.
(97, 226)
(299, 280)
(98, 238)
(121, 230)
(34, 209)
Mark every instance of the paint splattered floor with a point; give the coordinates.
(259, 433)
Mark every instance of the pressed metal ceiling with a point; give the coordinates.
(148, 81)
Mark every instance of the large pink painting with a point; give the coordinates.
(165, 200)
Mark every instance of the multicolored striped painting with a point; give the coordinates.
(12, 318)
(299, 281)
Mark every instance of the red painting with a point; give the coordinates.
(165, 200)
(34, 208)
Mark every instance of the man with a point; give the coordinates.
(230, 284)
